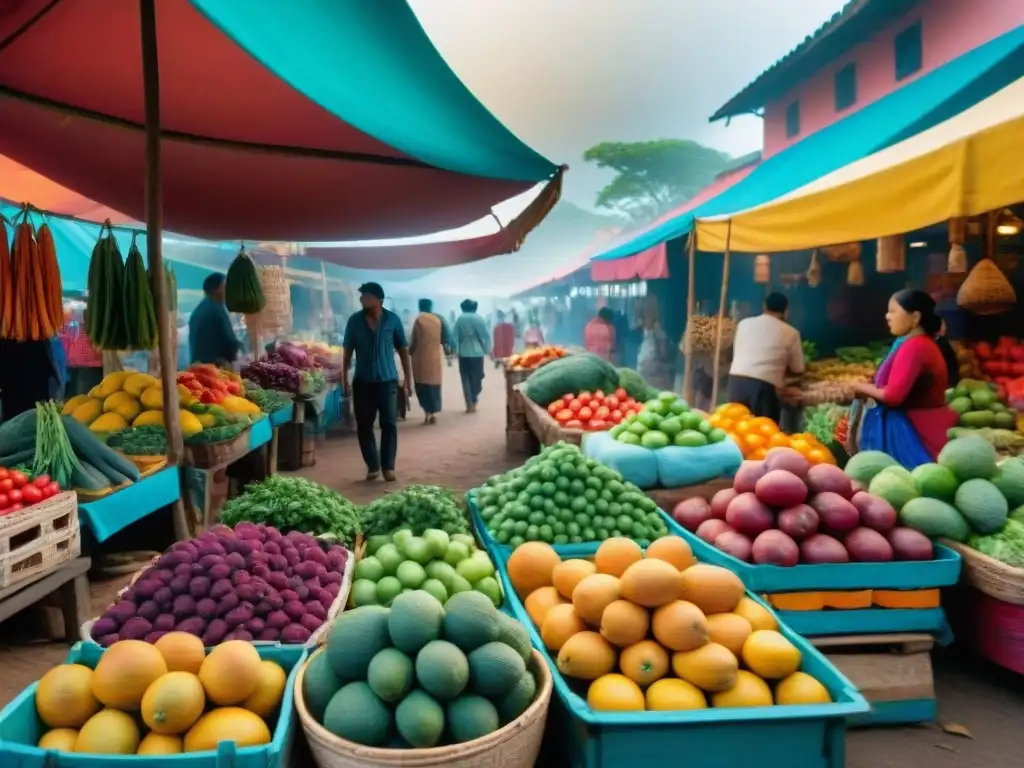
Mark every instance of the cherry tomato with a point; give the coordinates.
(4, 501)
(612, 402)
(3, 473)
(42, 481)
(13, 508)
(19, 479)
(575, 406)
(585, 414)
(574, 424)
(595, 404)
(616, 415)
(31, 495)
(585, 396)
(14, 496)
(621, 393)
(597, 424)
(568, 398)
(52, 489)
(6, 485)
(601, 412)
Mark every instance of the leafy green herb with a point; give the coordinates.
(269, 400)
(417, 508)
(1006, 545)
(140, 441)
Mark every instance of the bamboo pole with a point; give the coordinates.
(691, 301)
(717, 365)
(154, 249)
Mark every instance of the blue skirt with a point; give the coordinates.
(891, 431)
(429, 396)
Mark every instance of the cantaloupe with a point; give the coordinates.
(651, 583)
(108, 732)
(593, 595)
(266, 697)
(540, 601)
(644, 662)
(711, 588)
(749, 691)
(712, 667)
(569, 573)
(59, 739)
(624, 623)
(586, 656)
(531, 566)
(758, 616)
(125, 670)
(614, 556)
(230, 673)
(64, 697)
(560, 624)
(173, 703)
(182, 651)
(770, 655)
(615, 693)
(730, 630)
(680, 626)
(673, 550)
(157, 744)
(235, 724)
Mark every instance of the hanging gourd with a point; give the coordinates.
(762, 269)
(891, 254)
(814, 271)
(139, 307)
(986, 291)
(242, 291)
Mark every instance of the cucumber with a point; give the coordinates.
(14, 459)
(88, 448)
(88, 478)
(18, 433)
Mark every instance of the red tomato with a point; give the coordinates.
(597, 424)
(13, 508)
(621, 393)
(585, 396)
(31, 495)
(574, 424)
(602, 412)
(52, 489)
(3, 473)
(19, 478)
(42, 481)
(14, 496)
(555, 406)
(575, 406)
(4, 501)
(564, 415)
(630, 412)
(6, 485)
(616, 415)
(599, 394)
(595, 404)
(568, 398)
(585, 413)
(612, 402)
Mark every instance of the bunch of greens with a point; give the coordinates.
(269, 400)
(821, 421)
(1006, 545)
(218, 434)
(140, 441)
(810, 351)
(295, 504)
(54, 454)
(417, 508)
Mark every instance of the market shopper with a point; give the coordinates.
(599, 334)
(374, 335)
(910, 419)
(211, 339)
(474, 344)
(427, 344)
(765, 349)
(504, 339)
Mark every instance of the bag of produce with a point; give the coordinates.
(636, 464)
(679, 466)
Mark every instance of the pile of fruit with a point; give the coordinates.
(964, 493)
(657, 630)
(186, 700)
(209, 384)
(125, 399)
(783, 511)
(1002, 362)
(419, 674)
(435, 562)
(534, 358)
(562, 497)
(667, 420)
(983, 413)
(417, 508)
(756, 435)
(19, 491)
(593, 411)
(250, 583)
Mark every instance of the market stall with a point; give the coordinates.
(519, 431)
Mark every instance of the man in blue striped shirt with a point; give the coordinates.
(374, 335)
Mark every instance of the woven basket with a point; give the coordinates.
(986, 291)
(891, 255)
(517, 745)
(210, 455)
(990, 576)
(842, 253)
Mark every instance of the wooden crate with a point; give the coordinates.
(516, 421)
(886, 668)
(39, 539)
(512, 380)
(521, 441)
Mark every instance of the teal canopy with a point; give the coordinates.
(917, 106)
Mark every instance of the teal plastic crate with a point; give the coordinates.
(905, 712)
(116, 511)
(20, 729)
(282, 415)
(869, 621)
(260, 433)
(806, 736)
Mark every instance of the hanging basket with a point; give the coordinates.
(958, 231)
(842, 253)
(986, 291)
(762, 269)
(855, 273)
(891, 254)
(814, 271)
(957, 262)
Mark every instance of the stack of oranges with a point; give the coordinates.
(756, 435)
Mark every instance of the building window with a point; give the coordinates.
(793, 119)
(908, 50)
(846, 87)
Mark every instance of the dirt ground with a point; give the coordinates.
(462, 450)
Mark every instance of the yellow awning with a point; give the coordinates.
(967, 165)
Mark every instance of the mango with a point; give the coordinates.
(88, 411)
(190, 425)
(113, 401)
(150, 418)
(73, 403)
(113, 382)
(137, 383)
(109, 422)
(152, 398)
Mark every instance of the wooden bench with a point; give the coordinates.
(70, 581)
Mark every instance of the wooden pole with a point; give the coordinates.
(691, 301)
(154, 249)
(717, 365)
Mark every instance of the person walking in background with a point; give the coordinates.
(211, 339)
(504, 339)
(374, 335)
(765, 349)
(474, 344)
(533, 336)
(599, 335)
(426, 347)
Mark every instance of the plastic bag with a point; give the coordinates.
(679, 467)
(636, 464)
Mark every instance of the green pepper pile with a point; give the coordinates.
(417, 508)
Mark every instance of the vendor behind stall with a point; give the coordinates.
(211, 339)
(764, 349)
(32, 371)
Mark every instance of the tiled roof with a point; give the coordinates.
(854, 23)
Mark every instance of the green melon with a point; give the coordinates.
(390, 675)
(442, 670)
(969, 457)
(863, 466)
(319, 684)
(935, 481)
(356, 637)
(935, 519)
(355, 713)
(518, 699)
(494, 668)
(420, 719)
(470, 620)
(1010, 481)
(416, 619)
(982, 505)
(511, 632)
(471, 717)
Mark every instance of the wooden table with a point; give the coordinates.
(70, 581)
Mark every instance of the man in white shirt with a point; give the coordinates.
(765, 349)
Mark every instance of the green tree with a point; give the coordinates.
(653, 176)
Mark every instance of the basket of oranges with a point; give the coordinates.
(756, 435)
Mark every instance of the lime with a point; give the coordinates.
(416, 549)
(649, 419)
(671, 426)
(659, 407)
(388, 589)
(704, 427)
(690, 438)
(457, 551)
(390, 558)
(617, 430)
(459, 584)
(436, 589)
(655, 439)
(364, 592)
(691, 420)
(680, 406)
(465, 539)
(717, 435)
(442, 572)
(636, 428)
(376, 542)
(370, 569)
(399, 537)
(411, 574)
(489, 586)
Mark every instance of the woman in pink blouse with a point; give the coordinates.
(599, 335)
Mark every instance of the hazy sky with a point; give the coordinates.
(566, 74)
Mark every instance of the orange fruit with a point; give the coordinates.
(680, 626)
(673, 550)
(779, 440)
(644, 662)
(755, 613)
(749, 691)
(712, 667)
(593, 595)
(759, 455)
(615, 693)
(650, 583)
(736, 411)
(624, 623)
(173, 703)
(586, 656)
(770, 655)
(711, 588)
(540, 601)
(614, 556)
(672, 695)
(730, 630)
(560, 624)
(531, 566)
(800, 445)
(182, 651)
(64, 696)
(125, 671)
(801, 688)
(755, 440)
(744, 426)
(818, 456)
(569, 573)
